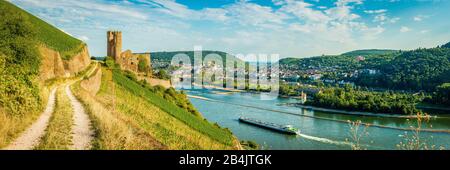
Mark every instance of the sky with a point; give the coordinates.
(290, 28)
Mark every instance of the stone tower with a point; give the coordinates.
(114, 43)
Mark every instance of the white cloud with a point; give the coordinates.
(342, 13)
(382, 19)
(304, 11)
(404, 29)
(346, 2)
(394, 20)
(301, 28)
(251, 13)
(375, 11)
(417, 18)
(424, 31)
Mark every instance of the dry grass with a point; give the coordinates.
(140, 113)
(11, 126)
(356, 134)
(414, 140)
(58, 134)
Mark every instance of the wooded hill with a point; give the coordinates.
(420, 69)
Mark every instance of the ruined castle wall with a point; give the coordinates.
(78, 62)
(53, 66)
(92, 84)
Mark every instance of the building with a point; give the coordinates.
(127, 60)
(315, 76)
(360, 58)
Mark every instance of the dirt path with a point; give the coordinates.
(82, 132)
(31, 137)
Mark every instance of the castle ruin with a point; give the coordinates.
(140, 63)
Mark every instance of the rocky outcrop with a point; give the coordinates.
(53, 66)
(92, 84)
(78, 62)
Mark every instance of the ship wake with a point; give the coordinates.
(324, 140)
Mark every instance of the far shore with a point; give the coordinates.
(358, 113)
(217, 87)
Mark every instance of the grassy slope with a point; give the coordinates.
(195, 122)
(21, 97)
(112, 131)
(118, 113)
(58, 133)
(51, 36)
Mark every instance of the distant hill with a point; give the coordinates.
(167, 56)
(446, 45)
(369, 52)
(421, 69)
(162, 60)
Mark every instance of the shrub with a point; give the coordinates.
(20, 63)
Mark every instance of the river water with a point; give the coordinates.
(319, 130)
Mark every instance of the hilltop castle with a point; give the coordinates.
(139, 63)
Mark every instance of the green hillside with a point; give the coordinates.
(344, 63)
(49, 35)
(166, 57)
(21, 95)
(420, 69)
(21, 33)
(446, 45)
(369, 52)
(141, 116)
(194, 121)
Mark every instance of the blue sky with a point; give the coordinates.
(291, 28)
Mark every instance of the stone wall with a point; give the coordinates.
(78, 62)
(53, 66)
(92, 84)
(130, 61)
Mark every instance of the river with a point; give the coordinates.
(319, 130)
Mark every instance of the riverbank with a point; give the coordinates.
(217, 88)
(433, 107)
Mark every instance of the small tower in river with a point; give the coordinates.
(303, 98)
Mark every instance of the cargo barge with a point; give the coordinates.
(288, 129)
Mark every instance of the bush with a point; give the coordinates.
(19, 62)
(162, 74)
(110, 63)
(359, 100)
(250, 145)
